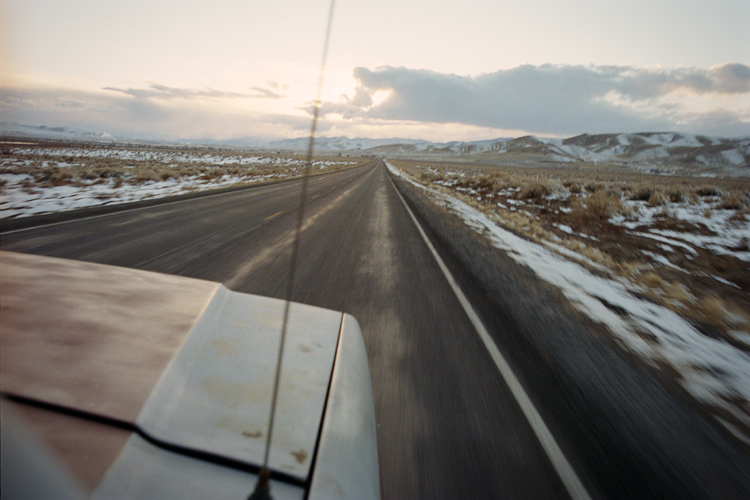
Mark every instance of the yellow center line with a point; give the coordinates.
(273, 216)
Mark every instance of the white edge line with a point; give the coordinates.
(570, 479)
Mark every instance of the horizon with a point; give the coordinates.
(83, 135)
(475, 71)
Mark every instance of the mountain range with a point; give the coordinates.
(643, 150)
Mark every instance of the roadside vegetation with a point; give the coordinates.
(662, 262)
(685, 241)
(49, 177)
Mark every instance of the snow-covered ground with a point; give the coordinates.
(713, 371)
(92, 176)
(18, 201)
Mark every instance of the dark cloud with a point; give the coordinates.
(731, 78)
(541, 99)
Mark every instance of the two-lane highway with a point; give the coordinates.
(447, 425)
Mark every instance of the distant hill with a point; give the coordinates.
(341, 143)
(17, 131)
(643, 151)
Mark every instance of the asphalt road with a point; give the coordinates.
(448, 427)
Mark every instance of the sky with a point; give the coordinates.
(418, 69)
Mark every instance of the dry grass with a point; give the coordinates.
(81, 165)
(537, 188)
(601, 205)
(734, 201)
(538, 203)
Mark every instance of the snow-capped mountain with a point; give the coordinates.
(638, 150)
(642, 150)
(664, 147)
(340, 143)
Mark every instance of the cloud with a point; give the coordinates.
(144, 116)
(402, 102)
(156, 91)
(266, 93)
(731, 78)
(549, 99)
(643, 84)
(274, 90)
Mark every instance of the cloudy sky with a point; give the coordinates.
(431, 69)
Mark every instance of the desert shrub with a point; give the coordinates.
(188, 171)
(537, 189)
(678, 293)
(165, 175)
(708, 191)
(658, 198)
(88, 175)
(714, 310)
(27, 186)
(733, 201)
(144, 175)
(501, 183)
(55, 176)
(675, 194)
(44, 174)
(690, 197)
(107, 172)
(213, 173)
(641, 193)
(485, 182)
(651, 280)
(601, 205)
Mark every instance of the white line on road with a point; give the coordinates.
(570, 479)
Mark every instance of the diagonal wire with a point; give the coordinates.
(295, 245)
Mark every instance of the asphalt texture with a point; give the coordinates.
(448, 427)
